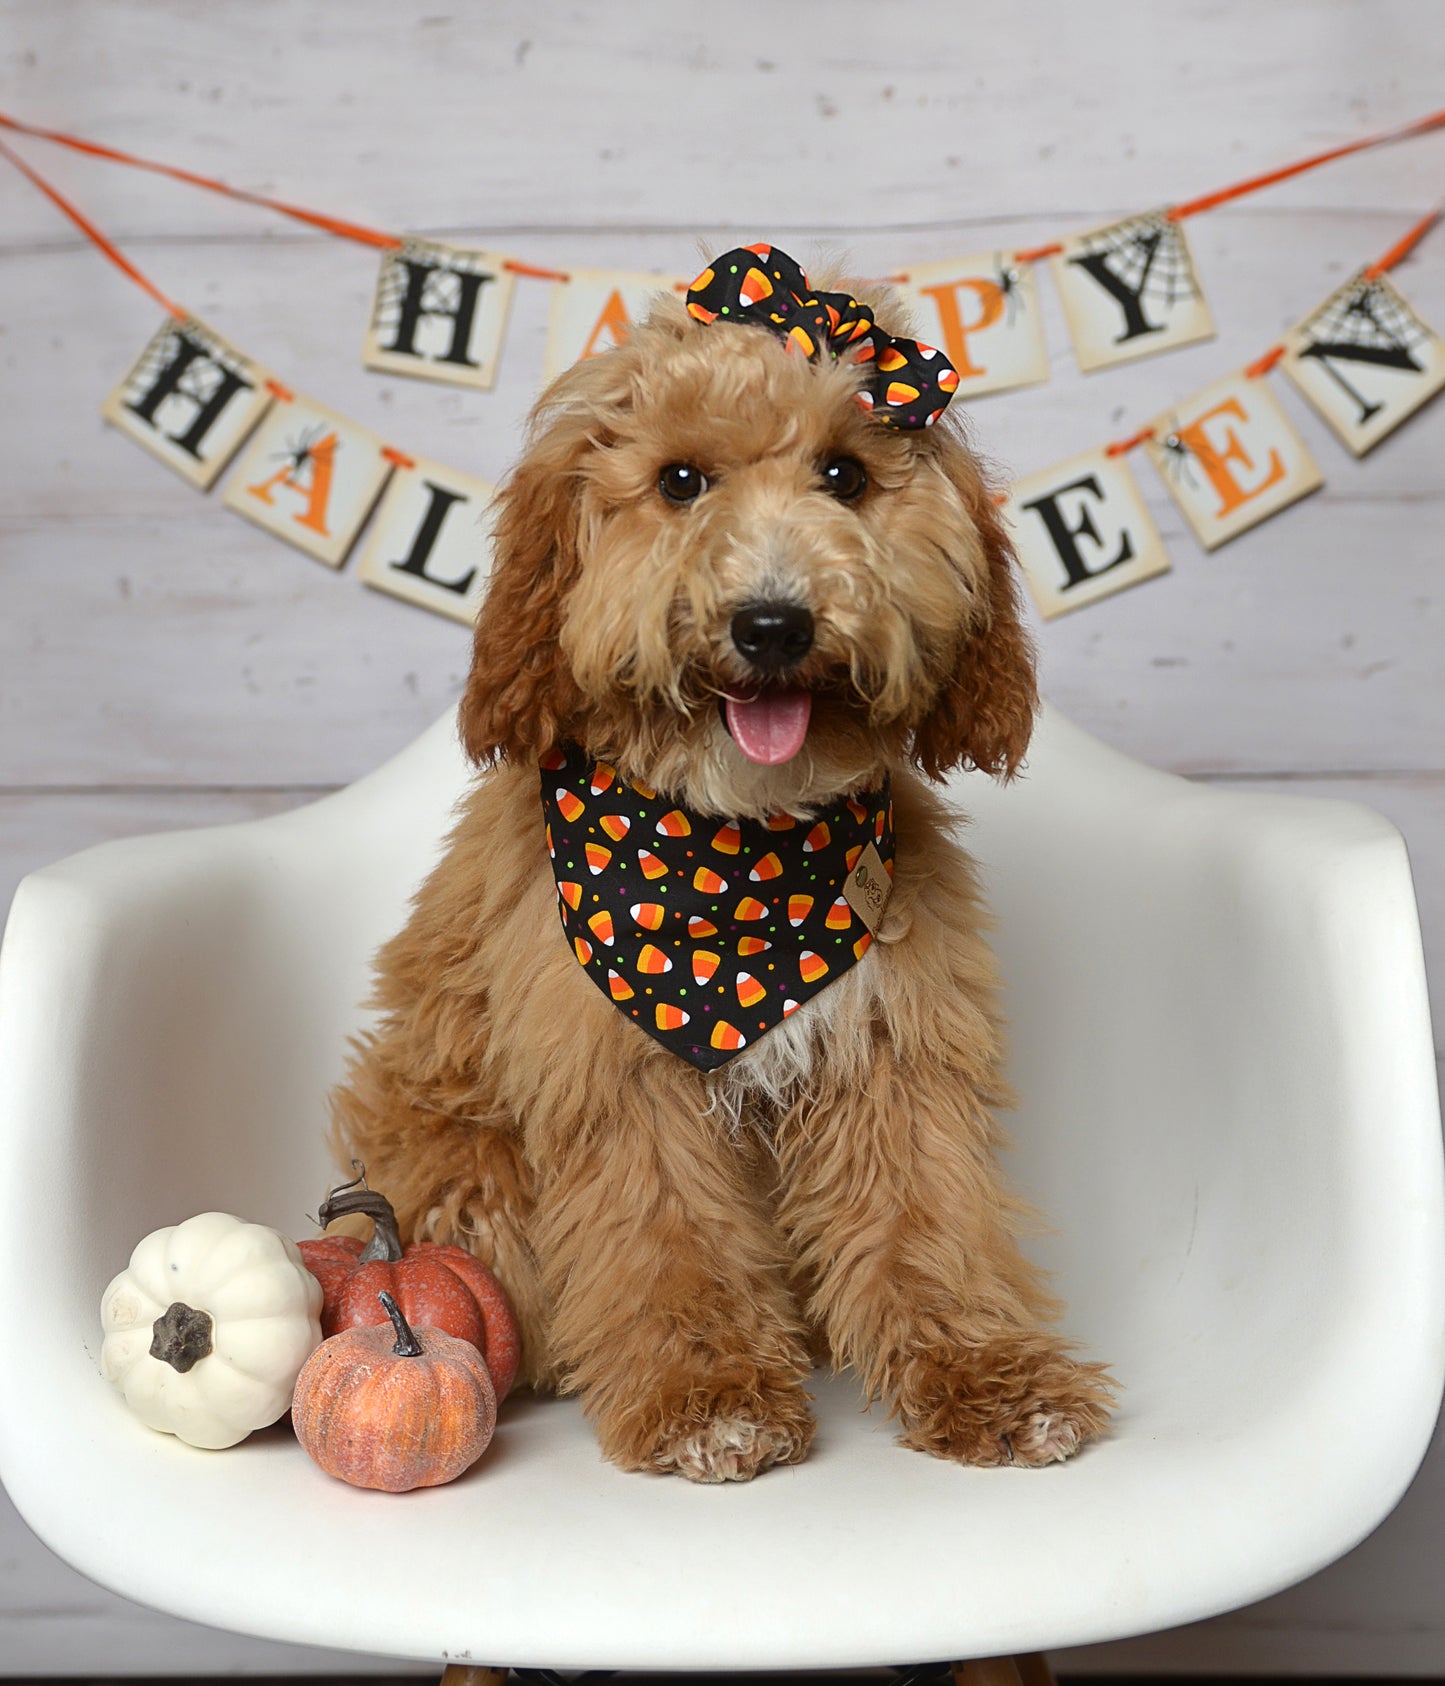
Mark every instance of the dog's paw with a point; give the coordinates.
(1011, 1401)
(731, 1449)
(730, 1440)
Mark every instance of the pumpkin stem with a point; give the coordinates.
(385, 1243)
(181, 1336)
(407, 1345)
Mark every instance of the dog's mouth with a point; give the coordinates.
(769, 727)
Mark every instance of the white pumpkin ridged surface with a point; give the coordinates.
(264, 1308)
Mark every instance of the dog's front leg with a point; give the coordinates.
(673, 1319)
(893, 1203)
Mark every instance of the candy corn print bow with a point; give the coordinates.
(908, 385)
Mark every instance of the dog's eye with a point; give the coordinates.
(680, 482)
(846, 478)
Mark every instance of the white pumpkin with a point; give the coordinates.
(207, 1328)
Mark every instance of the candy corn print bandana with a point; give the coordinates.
(707, 932)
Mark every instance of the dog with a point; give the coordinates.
(750, 591)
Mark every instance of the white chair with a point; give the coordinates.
(1228, 1113)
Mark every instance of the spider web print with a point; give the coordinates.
(1149, 256)
(200, 381)
(442, 290)
(1370, 314)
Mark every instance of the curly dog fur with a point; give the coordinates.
(682, 1246)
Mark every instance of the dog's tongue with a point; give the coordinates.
(770, 727)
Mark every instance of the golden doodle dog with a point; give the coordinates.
(693, 1037)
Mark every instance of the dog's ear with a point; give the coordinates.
(984, 712)
(521, 699)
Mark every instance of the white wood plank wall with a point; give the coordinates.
(164, 664)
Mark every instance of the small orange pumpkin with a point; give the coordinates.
(415, 1413)
(434, 1284)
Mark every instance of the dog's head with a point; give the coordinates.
(715, 569)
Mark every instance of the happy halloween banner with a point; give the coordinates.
(1228, 454)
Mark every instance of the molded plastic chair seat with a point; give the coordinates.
(1228, 1116)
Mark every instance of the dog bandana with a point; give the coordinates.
(707, 932)
(909, 384)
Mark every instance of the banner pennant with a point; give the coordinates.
(439, 313)
(310, 476)
(594, 309)
(1230, 457)
(1129, 289)
(983, 314)
(190, 399)
(1365, 360)
(1082, 531)
(430, 541)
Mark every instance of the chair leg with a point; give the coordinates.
(1034, 1670)
(461, 1674)
(1031, 1670)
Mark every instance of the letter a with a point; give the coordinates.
(320, 459)
(614, 319)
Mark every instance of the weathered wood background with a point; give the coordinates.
(164, 664)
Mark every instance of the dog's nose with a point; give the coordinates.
(773, 636)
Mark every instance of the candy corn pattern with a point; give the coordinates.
(656, 926)
(908, 383)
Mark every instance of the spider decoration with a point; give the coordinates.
(1006, 277)
(300, 448)
(1177, 454)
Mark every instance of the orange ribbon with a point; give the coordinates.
(92, 233)
(94, 149)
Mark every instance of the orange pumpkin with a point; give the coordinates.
(436, 1286)
(384, 1407)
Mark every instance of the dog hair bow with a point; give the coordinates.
(908, 384)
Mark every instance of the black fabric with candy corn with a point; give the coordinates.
(908, 384)
(704, 932)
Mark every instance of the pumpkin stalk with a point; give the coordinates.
(407, 1345)
(182, 1336)
(385, 1243)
